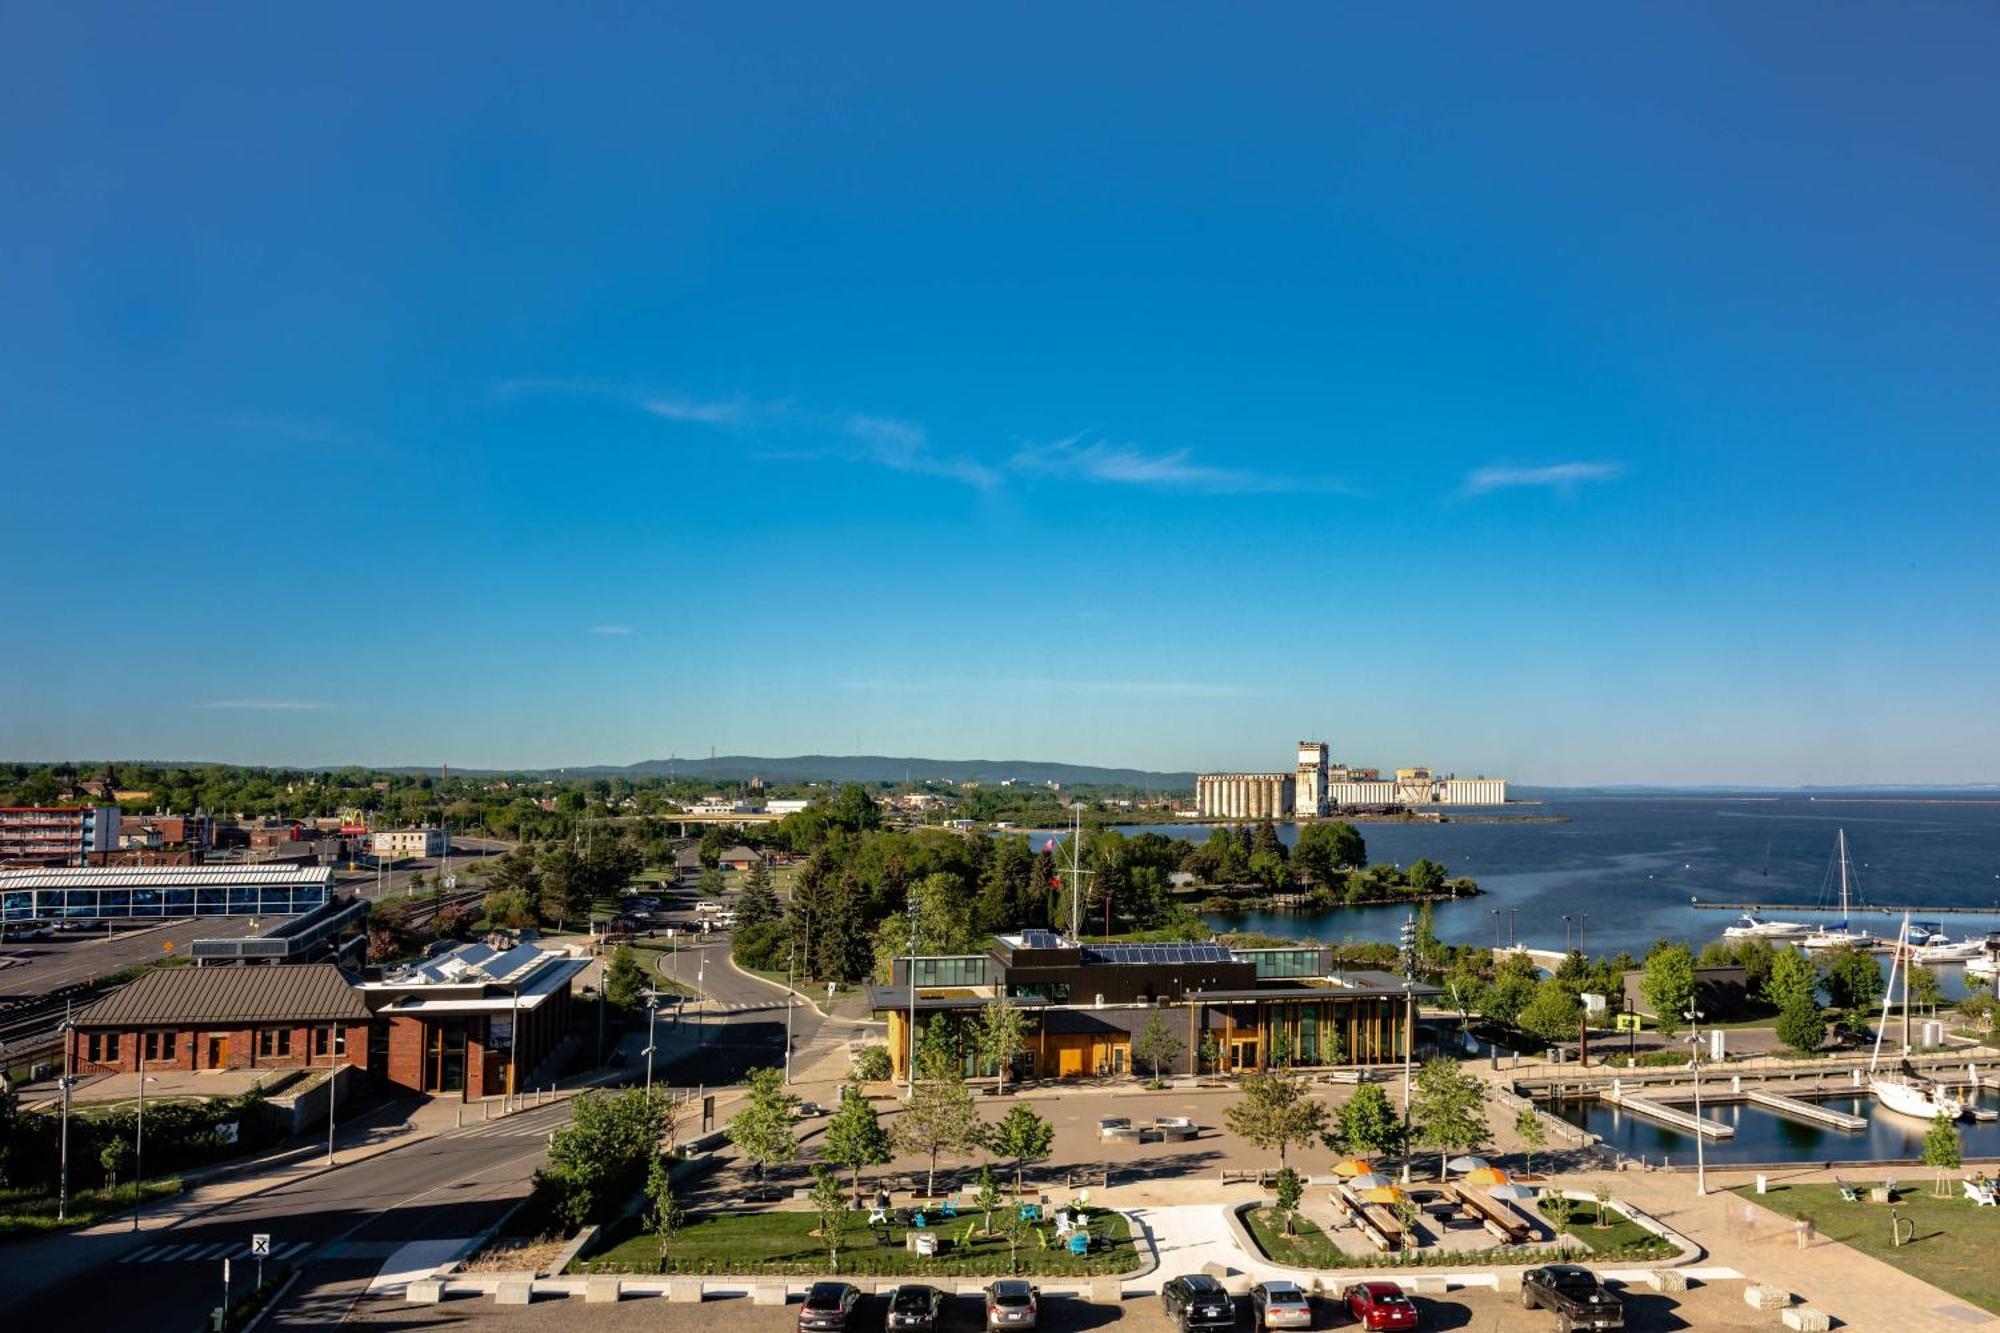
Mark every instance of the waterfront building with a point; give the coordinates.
(471, 1022)
(1244, 795)
(1087, 1004)
(56, 835)
(1319, 787)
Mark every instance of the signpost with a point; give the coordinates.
(260, 1250)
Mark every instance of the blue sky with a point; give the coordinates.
(1574, 393)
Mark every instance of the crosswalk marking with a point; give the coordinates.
(211, 1251)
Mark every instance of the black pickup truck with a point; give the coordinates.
(1578, 1299)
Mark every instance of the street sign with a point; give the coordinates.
(829, 988)
(260, 1246)
(451, 881)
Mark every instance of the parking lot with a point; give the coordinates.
(1716, 1306)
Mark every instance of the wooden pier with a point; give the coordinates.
(1667, 1115)
(1800, 1110)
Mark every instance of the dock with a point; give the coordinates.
(1830, 912)
(1668, 1115)
(1802, 1110)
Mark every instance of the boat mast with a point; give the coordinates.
(1889, 991)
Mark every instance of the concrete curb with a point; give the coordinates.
(778, 985)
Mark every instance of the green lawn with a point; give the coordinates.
(782, 1242)
(1307, 1247)
(1623, 1239)
(32, 1213)
(1954, 1243)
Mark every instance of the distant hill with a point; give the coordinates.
(889, 768)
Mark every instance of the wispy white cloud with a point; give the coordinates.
(265, 705)
(1156, 689)
(1564, 478)
(1130, 465)
(732, 412)
(612, 630)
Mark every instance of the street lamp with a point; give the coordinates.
(1566, 940)
(1496, 929)
(791, 961)
(139, 1138)
(1693, 1017)
(652, 1038)
(68, 1030)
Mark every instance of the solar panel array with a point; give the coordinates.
(1041, 939)
(1128, 955)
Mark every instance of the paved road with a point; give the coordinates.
(76, 956)
(341, 1226)
(392, 881)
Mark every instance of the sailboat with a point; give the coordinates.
(1839, 933)
(1906, 1094)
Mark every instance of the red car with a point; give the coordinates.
(1380, 1305)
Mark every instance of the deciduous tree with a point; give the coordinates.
(1448, 1109)
(1022, 1136)
(763, 1129)
(1276, 1110)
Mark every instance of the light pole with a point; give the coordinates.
(1582, 927)
(910, 1058)
(1496, 929)
(674, 939)
(1693, 1016)
(1566, 939)
(1513, 921)
(68, 1078)
(701, 998)
(139, 1138)
(652, 1037)
(791, 971)
(332, 1083)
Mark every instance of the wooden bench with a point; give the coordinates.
(1500, 1221)
(1374, 1222)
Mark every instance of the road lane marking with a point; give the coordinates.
(145, 1256)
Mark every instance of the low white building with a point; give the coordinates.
(396, 844)
(785, 807)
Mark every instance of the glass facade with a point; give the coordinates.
(99, 904)
(1056, 992)
(1282, 962)
(966, 970)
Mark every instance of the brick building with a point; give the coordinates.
(473, 1022)
(224, 1018)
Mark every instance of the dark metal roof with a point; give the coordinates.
(300, 992)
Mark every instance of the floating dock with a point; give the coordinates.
(1802, 1110)
(1667, 1115)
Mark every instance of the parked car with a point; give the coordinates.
(1011, 1303)
(1280, 1305)
(1578, 1299)
(829, 1307)
(914, 1306)
(1196, 1300)
(1379, 1305)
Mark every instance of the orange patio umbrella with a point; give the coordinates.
(1353, 1166)
(1383, 1194)
(1486, 1175)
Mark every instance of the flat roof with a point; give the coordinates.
(164, 877)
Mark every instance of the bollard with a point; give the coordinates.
(458, 1116)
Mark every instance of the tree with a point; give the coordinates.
(1528, 1129)
(663, 1210)
(1602, 1194)
(1001, 1037)
(1942, 1148)
(1015, 1228)
(830, 1202)
(1023, 1136)
(1560, 1208)
(855, 1137)
(1448, 1108)
(940, 1118)
(624, 979)
(1554, 1014)
(113, 1158)
(1853, 978)
(1211, 1053)
(988, 1196)
(1425, 876)
(759, 900)
(872, 1065)
(603, 1154)
(1286, 1204)
(1369, 1124)
(1513, 989)
(1794, 979)
(1668, 985)
(1802, 1026)
(1157, 1045)
(1925, 990)
(710, 884)
(1276, 1110)
(762, 1130)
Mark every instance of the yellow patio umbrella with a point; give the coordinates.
(1486, 1175)
(1353, 1166)
(1382, 1194)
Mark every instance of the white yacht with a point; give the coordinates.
(1749, 927)
(1907, 1094)
(1938, 949)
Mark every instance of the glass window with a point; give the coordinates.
(160, 1045)
(1055, 991)
(274, 1041)
(961, 971)
(1282, 962)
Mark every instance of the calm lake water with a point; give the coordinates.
(1762, 1136)
(1631, 864)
